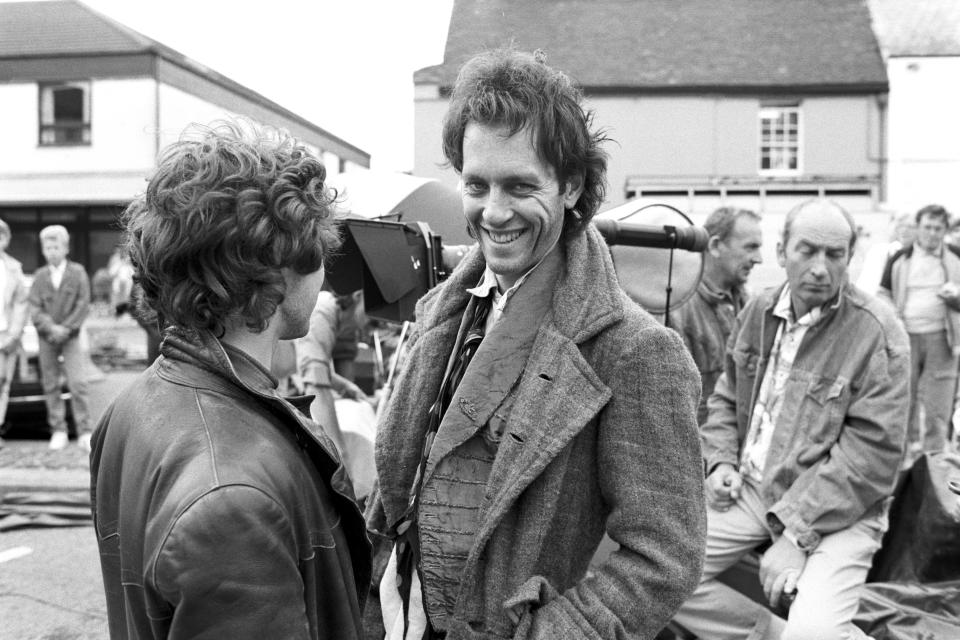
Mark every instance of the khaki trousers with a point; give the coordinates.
(827, 593)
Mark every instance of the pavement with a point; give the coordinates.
(29, 466)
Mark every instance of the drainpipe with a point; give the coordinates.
(156, 107)
(882, 160)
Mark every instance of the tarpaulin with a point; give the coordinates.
(43, 509)
(923, 542)
(910, 611)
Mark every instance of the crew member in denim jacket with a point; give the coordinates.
(805, 434)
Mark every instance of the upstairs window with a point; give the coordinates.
(65, 113)
(780, 140)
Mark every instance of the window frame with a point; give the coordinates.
(778, 138)
(83, 125)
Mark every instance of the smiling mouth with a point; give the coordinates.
(504, 237)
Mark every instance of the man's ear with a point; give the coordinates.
(713, 246)
(781, 255)
(572, 191)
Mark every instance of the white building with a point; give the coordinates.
(87, 103)
(920, 41)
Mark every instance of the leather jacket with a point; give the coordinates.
(220, 510)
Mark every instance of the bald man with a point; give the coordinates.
(804, 436)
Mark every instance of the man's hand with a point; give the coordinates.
(58, 334)
(950, 294)
(351, 391)
(8, 344)
(723, 487)
(780, 569)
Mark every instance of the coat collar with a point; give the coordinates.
(586, 299)
(190, 357)
(584, 303)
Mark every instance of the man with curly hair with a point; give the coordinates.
(539, 408)
(221, 510)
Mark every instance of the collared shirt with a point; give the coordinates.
(924, 311)
(488, 284)
(790, 334)
(56, 274)
(400, 625)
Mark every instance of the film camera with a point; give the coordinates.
(395, 263)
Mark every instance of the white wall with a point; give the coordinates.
(428, 111)
(179, 109)
(110, 167)
(924, 128)
(693, 136)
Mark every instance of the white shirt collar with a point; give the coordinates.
(783, 309)
(488, 282)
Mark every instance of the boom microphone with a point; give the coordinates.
(691, 238)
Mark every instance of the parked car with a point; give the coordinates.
(26, 412)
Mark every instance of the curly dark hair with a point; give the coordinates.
(515, 89)
(934, 211)
(229, 207)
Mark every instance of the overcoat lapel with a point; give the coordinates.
(397, 450)
(553, 413)
(499, 361)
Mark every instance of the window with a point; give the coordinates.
(65, 113)
(780, 140)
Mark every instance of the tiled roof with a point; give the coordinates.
(917, 27)
(676, 44)
(62, 28)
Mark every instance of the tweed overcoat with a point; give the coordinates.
(602, 437)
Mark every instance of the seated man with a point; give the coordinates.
(221, 511)
(804, 437)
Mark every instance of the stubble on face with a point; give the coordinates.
(512, 199)
(298, 302)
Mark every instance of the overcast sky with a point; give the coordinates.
(346, 65)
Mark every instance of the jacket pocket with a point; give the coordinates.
(825, 390)
(824, 410)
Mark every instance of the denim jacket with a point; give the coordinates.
(839, 438)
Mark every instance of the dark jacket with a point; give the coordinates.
(840, 434)
(220, 511)
(601, 437)
(67, 306)
(705, 322)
